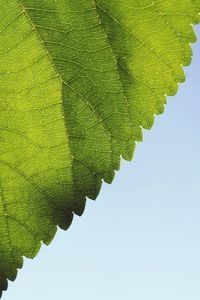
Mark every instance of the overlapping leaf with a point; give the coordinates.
(78, 81)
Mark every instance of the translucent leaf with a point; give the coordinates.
(78, 81)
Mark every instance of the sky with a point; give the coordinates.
(141, 238)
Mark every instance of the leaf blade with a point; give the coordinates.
(74, 100)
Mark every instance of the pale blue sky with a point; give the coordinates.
(141, 239)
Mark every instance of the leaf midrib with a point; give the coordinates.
(61, 87)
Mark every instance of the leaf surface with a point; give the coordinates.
(78, 81)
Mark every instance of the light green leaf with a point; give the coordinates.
(78, 81)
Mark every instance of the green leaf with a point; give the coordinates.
(78, 81)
